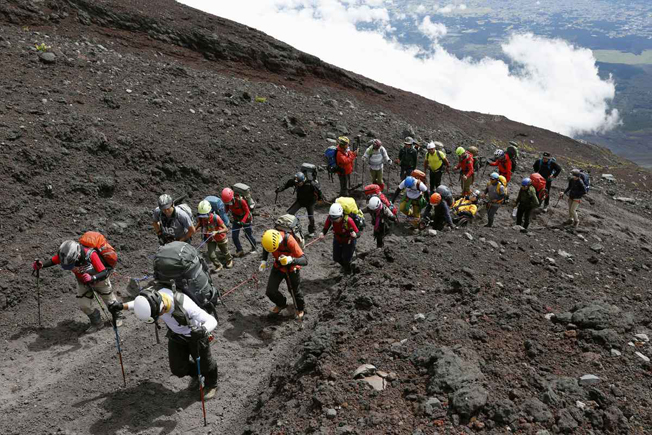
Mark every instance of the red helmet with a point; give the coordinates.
(435, 198)
(227, 195)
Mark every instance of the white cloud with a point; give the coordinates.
(555, 85)
(462, 7)
(446, 9)
(433, 31)
(421, 9)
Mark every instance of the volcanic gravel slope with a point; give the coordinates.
(479, 329)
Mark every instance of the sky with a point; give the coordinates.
(548, 83)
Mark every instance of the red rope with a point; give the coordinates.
(253, 277)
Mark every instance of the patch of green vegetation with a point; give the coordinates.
(615, 56)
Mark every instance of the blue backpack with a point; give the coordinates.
(585, 179)
(331, 160)
(217, 206)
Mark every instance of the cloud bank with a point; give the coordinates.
(550, 84)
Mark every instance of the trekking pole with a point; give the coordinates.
(37, 272)
(294, 299)
(201, 385)
(559, 199)
(117, 343)
(97, 299)
(450, 178)
(156, 327)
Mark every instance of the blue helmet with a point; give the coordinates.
(526, 182)
(494, 175)
(409, 182)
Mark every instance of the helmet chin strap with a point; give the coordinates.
(167, 303)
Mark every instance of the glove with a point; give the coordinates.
(354, 235)
(37, 264)
(321, 236)
(115, 307)
(285, 260)
(198, 333)
(161, 239)
(86, 279)
(262, 266)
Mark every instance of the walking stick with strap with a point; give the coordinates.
(294, 299)
(117, 343)
(201, 385)
(37, 272)
(99, 302)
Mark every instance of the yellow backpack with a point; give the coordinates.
(351, 210)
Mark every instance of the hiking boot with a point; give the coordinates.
(568, 222)
(488, 226)
(194, 383)
(239, 254)
(254, 250)
(576, 224)
(216, 267)
(277, 310)
(96, 322)
(311, 235)
(229, 265)
(210, 393)
(545, 209)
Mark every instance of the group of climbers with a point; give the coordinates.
(430, 205)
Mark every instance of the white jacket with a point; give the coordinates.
(376, 157)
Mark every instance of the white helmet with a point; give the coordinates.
(148, 305)
(430, 146)
(439, 145)
(336, 211)
(374, 203)
(499, 153)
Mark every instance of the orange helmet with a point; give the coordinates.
(435, 198)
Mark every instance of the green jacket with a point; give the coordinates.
(528, 197)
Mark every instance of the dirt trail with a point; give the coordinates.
(45, 368)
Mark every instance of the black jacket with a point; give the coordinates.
(308, 194)
(408, 157)
(547, 170)
(442, 215)
(576, 188)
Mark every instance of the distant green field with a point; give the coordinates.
(615, 56)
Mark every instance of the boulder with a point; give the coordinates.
(470, 400)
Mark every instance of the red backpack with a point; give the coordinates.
(539, 184)
(97, 241)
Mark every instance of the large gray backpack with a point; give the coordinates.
(290, 224)
(178, 266)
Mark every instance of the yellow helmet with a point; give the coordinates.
(271, 240)
(502, 180)
(342, 140)
(204, 207)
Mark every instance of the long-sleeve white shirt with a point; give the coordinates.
(377, 157)
(415, 191)
(196, 315)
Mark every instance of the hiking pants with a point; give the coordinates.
(523, 215)
(345, 183)
(248, 235)
(224, 256)
(377, 177)
(405, 172)
(276, 276)
(491, 213)
(182, 353)
(573, 205)
(466, 184)
(310, 209)
(343, 253)
(407, 203)
(86, 298)
(435, 179)
(548, 187)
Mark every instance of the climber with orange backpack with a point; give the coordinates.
(91, 260)
(413, 201)
(288, 259)
(549, 169)
(242, 219)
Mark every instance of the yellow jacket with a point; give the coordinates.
(465, 205)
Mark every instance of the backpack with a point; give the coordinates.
(550, 162)
(178, 265)
(512, 152)
(446, 194)
(351, 210)
(539, 184)
(98, 242)
(371, 189)
(473, 150)
(331, 160)
(310, 171)
(178, 313)
(186, 208)
(245, 191)
(585, 179)
(419, 175)
(217, 206)
(290, 224)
